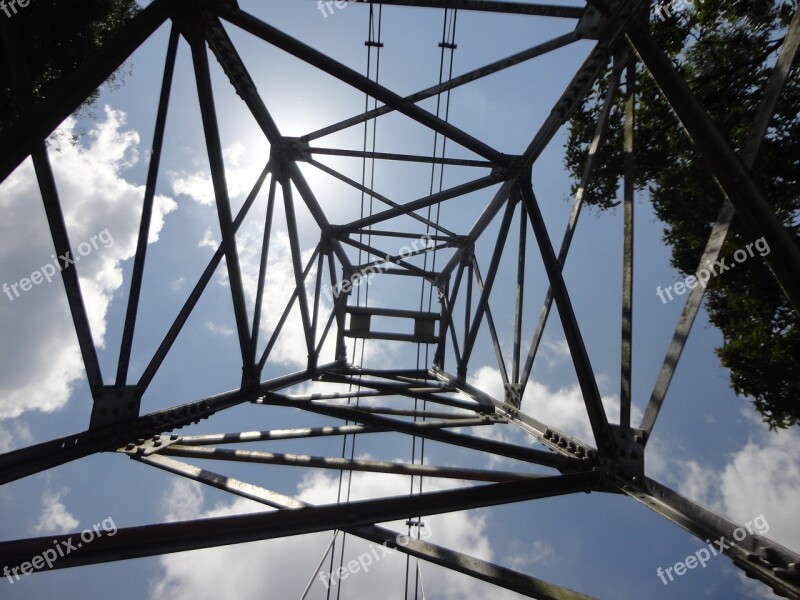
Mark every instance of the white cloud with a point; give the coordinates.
(199, 186)
(762, 478)
(41, 362)
(16, 434)
(753, 589)
(218, 329)
(185, 501)
(208, 241)
(234, 153)
(554, 351)
(525, 556)
(55, 518)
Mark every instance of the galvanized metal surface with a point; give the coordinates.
(614, 462)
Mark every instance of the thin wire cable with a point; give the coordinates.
(419, 580)
(372, 41)
(447, 43)
(319, 566)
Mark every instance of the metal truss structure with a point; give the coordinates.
(369, 400)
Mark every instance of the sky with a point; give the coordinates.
(708, 444)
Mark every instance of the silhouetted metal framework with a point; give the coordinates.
(612, 462)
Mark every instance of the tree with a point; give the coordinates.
(55, 37)
(724, 49)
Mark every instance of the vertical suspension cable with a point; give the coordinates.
(373, 41)
(447, 44)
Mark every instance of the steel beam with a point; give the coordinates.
(274, 434)
(299, 274)
(572, 333)
(242, 82)
(137, 273)
(448, 194)
(513, 8)
(575, 92)
(69, 273)
(483, 300)
(309, 432)
(15, 63)
(262, 270)
(548, 436)
(397, 412)
(194, 296)
(166, 538)
(285, 315)
(498, 352)
(450, 84)
(358, 81)
(411, 391)
(450, 559)
(217, 164)
(520, 295)
(345, 413)
(386, 258)
(626, 351)
(341, 464)
(381, 198)
(599, 137)
(757, 556)
(39, 457)
(435, 160)
(373, 194)
(403, 375)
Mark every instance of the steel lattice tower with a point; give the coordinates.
(370, 400)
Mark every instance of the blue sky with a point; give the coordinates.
(708, 443)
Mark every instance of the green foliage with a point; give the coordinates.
(56, 37)
(725, 50)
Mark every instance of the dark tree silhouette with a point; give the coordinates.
(55, 36)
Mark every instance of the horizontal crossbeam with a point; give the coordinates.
(165, 538)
